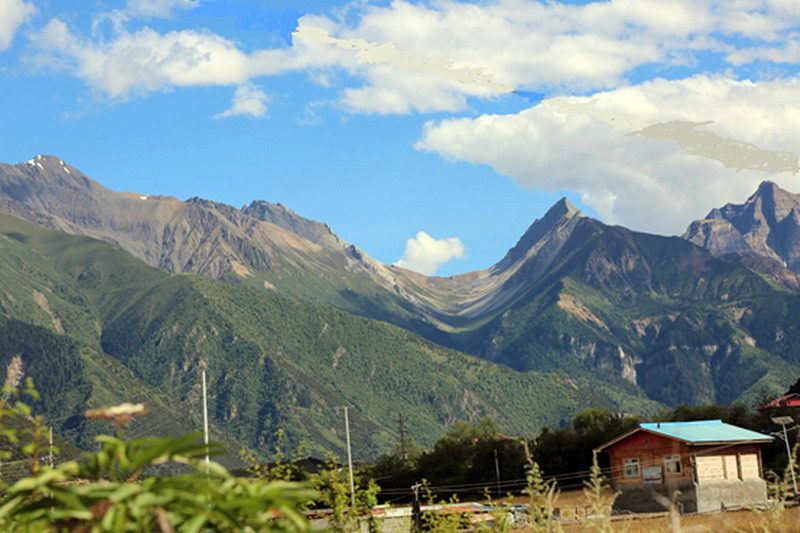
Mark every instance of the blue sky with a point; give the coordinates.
(462, 120)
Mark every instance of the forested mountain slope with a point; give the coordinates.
(115, 328)
(636, 314)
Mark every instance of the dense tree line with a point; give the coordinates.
(469, 459)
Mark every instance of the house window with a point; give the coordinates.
(672, 464)
(631, 467)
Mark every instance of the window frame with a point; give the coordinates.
(631, 467)
(673, 460)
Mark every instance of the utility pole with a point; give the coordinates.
(205, 418)
(497, 471)
(416, 510)
(50, 459)
(402, 431)
(349, 459)
(783, 420)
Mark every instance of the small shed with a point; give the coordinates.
(704, 465)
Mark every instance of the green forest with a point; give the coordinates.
(95, 326)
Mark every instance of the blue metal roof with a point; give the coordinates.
(704, 431)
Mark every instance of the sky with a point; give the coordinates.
(430, 134)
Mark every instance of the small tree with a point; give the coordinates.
(595, 491)
(333, 487)
(541, 495)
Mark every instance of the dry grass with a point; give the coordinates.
(773, 521)
(573, 505)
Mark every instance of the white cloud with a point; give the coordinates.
(530, 45)
(147, 61)
(386, 53)
(425, 255)
(644, 183)
(389, 91)
(787, 52)
(431, 56)
(248, 99)
(757, 19)
(158, 8)
(13, 14)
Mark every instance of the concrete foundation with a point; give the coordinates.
(691, 497)
(713, 496)
(656, 498)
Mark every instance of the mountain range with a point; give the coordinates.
(296, 322)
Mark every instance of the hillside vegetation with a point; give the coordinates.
(624, 314)
(118, 329)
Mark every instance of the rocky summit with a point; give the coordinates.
(766, 225)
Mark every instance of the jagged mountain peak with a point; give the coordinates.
(43, 159)
(282, 216)
(559, 212)
(197, 235)
(561, 208)
(766, 224)
(769, 188)
(769, 202)
(773, 202)
(558, 216)
(52, 168)
(482, 292)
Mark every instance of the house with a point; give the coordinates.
(791, 399)
(710, 464)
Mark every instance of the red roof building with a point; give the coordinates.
(705, 465)
(788, 400)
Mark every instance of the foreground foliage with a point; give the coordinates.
(119, 488)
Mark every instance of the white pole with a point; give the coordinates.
(50, 458)
(497, 471)
(349, 459)
(789, 457)
(205, 417)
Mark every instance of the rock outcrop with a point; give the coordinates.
(198, 236)
(766, 225)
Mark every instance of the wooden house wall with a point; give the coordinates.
(712, 463)
(729, 462)
(651, 450)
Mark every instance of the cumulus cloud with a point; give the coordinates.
(425, 255)
(158, 8)
(147, 60)
(13, 14)
(786, 52)
(430, 56)
(248, 99)
(645, 183)
(533, 45)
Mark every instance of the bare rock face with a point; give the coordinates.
(287, 219)
(197, 236)
(482, 292)
(766, 225)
